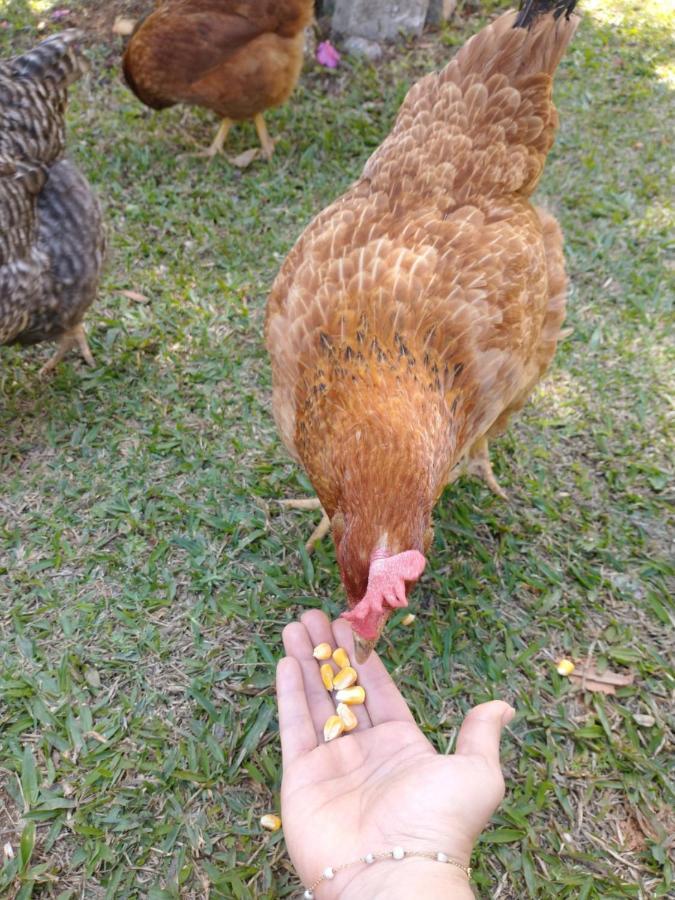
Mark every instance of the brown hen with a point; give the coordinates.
(417, 312)
(235, 57)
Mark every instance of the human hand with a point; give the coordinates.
(383, 785)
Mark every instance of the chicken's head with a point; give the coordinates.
(376, 582)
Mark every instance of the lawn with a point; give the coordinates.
(146, 568)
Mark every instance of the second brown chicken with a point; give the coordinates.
(235, 57)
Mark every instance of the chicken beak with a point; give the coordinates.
(362, 648)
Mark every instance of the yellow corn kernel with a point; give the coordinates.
(333, 728)
(351, 695)
(408, 620)
(564, 667)
(323, 651)
(341, 658)
(327, 676)
(345, 678)
(270, 822)
(349, 720)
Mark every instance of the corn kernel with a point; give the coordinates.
(323, 651)
(408, 620)
(351, 695)
(270, 822)
(345, 678)
(565, 667)
(333, 728)
(341, 658)
(327, 676)
(349, 720)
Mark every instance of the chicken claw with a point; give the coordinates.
(321, 529)
(75, 337)
(478, 464)
(218, 142)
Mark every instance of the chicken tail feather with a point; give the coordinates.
(530, 10)
(58, 59)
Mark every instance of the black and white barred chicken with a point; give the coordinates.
(51, 228)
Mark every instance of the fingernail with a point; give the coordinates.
(508, 715)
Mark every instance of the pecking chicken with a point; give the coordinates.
(51, 230)
(235, 57)
(417, 312)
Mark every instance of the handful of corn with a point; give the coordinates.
(343, 683)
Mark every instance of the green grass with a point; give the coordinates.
(146, 570)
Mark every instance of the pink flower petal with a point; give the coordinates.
(327, 55)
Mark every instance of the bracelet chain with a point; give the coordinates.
(396, 853)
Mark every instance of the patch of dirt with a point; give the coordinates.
(631, 835)
(10, 821)
(95, 18)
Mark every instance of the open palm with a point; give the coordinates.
(383, 785)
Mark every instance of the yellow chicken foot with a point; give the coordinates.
(75, 337)
(265, 140)
(321, 529)
(478, 464)
(219, 140)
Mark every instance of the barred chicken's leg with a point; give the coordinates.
(218, 141)
(478, 464)
(75, 337)
(81, 340)
(321, 529)
(265, 140)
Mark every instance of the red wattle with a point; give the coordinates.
(387, 579)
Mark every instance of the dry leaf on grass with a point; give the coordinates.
(135, 296)
(246, 158)
(123, 26)
(644, 721)
(586, 677)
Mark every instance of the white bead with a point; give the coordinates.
(369, 858)
(308, 895)
(441, 857)
(398, 852)
(328, 873)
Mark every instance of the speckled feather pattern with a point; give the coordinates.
(70, 238)
(23, 266)
(418, 311)
(51, 229)
(33, 97)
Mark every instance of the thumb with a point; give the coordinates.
(482, 729)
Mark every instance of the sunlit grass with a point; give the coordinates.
(649, 12)
(146, 570)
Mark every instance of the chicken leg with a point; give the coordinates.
(74, 337)
(218, 142)
(478, 464)
(321, 529)
(265, 140)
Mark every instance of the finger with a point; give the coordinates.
(298, 644)
(296, 728)
(319, 630)
(383, 699)
(482, 729)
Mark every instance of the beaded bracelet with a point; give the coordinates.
(395, 853)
